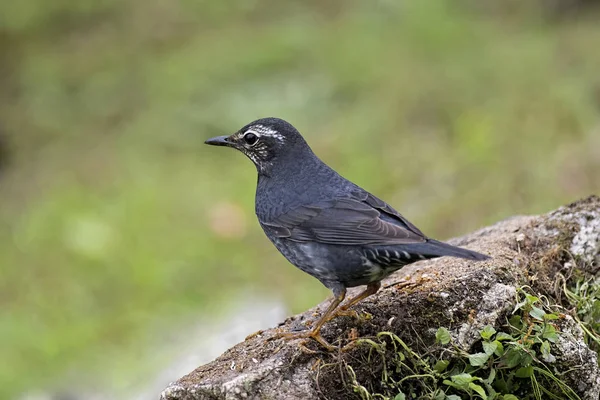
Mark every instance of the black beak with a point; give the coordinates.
(220, 141)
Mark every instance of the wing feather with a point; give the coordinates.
(361, 219)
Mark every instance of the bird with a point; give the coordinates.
(324, 224)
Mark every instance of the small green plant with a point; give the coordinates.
(584, 297)
(515, 363)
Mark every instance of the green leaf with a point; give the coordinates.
(499, 348)
(527, 358)
(509, 397)
(400, 396)
(439, 395)
(595, 309)
(487, 332)
(551, 316)
(489, 348)
(400, 355)
(453, 397)
(550, 333)
(524, 372)
(537, 313)
(442, 336)
(515, 321)
(454, 385)
(478, 389)
(441, 365)
(545, 350)
(519, 306)
(501, 385)
(490, 379)
(531, 299)
(462, 380)
(478, 359)
(513, 358)
(503, 336)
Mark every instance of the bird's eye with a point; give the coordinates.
(250, 138)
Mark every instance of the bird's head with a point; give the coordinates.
(265, 141)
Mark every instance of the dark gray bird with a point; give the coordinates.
(324, 224)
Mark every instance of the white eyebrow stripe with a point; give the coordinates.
(261, 130)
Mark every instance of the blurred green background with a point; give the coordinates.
(118, 226)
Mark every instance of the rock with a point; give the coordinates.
(573, 352)
(460, 295)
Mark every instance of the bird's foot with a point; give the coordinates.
(315, 335)
(409, 282)
(346, 312)
(408, 285)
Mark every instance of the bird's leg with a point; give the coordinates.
(315, 333)
(372, 288)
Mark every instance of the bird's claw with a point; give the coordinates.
(409, 283)
(344, 312)
(305, 335)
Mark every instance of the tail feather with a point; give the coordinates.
(434, 248)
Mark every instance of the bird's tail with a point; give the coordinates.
(434, 248)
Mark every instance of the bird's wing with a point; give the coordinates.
(387, 211)
(361, 219)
